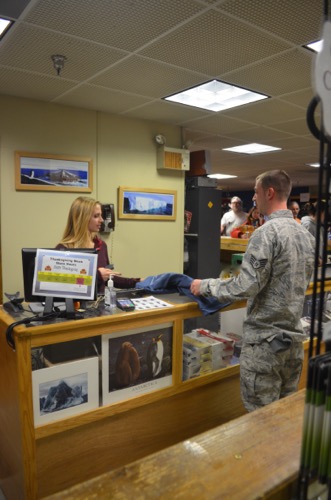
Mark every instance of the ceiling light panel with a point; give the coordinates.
(253, 148)
(221, 176)
(5, 24)
(315, 46)
(216, 96)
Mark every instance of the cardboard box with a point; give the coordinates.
(203, 346)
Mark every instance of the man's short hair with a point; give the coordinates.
(279, 180)
(236, 198)
(290, 204)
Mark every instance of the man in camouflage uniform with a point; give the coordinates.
(275, 272)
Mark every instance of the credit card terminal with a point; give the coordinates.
(125, 304)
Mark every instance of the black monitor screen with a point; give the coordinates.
(28, 262)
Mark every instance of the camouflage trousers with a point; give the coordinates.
(266, 376)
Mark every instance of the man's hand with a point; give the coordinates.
(195, 287)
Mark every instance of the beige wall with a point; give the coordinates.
(123, 153)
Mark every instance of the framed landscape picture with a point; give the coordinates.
(65, 389)
(136, 362)
(149, 204)
(47, 172)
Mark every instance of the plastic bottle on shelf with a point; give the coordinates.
(110, 295)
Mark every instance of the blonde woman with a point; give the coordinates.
(81, 231)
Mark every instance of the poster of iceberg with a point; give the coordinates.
(64, 390)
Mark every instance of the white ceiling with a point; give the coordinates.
(124, 56)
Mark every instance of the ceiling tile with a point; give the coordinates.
(101, 99)
(163, 79)
(31, 86)
(32, 48)
(124, 24)
(213, 44)
(287, 72)
(298, 21)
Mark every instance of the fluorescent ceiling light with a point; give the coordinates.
(315, 46)
(221, 176)
(316, 165)
(4, 26)
(251, 149)
(216, 96)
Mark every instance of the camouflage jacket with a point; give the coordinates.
(275, 273)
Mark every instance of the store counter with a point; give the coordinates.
(112, 420)
(254, 456)
(43, 452)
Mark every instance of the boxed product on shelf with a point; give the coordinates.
(204, 351)
(237, 343)
(194, 370)
(197, 358)
(219, 343)
(191, 356)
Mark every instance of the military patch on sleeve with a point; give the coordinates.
(257, 264)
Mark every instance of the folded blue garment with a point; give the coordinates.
(175, 282)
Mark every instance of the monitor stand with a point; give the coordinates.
(69, 312)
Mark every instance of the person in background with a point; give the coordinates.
(295, 209)
(81, 231)
(253, 221)
(275, 272)
(234, 218)
(310, 223)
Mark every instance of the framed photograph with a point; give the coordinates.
(64, 390)
(150, 204)
(46, 172)
(136, 362)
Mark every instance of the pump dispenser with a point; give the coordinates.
(110, 295)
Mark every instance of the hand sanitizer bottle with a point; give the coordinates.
(110, 295)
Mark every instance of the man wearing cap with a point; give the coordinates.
(234, 218)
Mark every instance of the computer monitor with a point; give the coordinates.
(28, 262)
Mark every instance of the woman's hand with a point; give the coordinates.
(107, 273)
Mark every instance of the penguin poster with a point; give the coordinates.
(136, 362)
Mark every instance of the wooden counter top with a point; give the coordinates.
(233, 244)
(254, 456)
